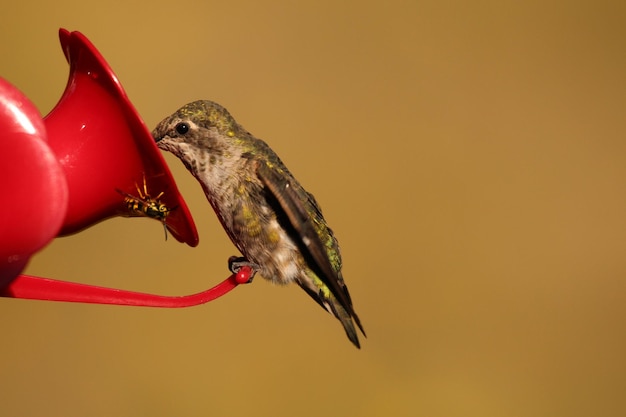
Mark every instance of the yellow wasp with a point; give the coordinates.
(145, 205)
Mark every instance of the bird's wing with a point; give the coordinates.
(295, 202)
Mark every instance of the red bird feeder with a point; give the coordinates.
(91, 158)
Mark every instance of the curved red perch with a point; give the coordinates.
(37, 288)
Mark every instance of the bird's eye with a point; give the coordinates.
(182, 128)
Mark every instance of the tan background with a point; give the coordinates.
(471, 157)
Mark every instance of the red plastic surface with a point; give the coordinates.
(36, 288)
(103, 146)
(34, 191)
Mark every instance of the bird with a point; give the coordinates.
(271, 219)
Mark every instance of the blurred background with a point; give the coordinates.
(470, 156)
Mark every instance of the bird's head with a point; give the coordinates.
(200, 131)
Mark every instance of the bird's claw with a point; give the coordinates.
(235, 263)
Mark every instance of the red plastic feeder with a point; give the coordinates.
(75, 168)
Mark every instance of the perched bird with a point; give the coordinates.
(273, 221)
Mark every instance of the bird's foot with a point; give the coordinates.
(235, 263)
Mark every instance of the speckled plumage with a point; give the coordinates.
(274, 222)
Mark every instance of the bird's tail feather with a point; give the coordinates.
(330, 303)
(346, 320)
